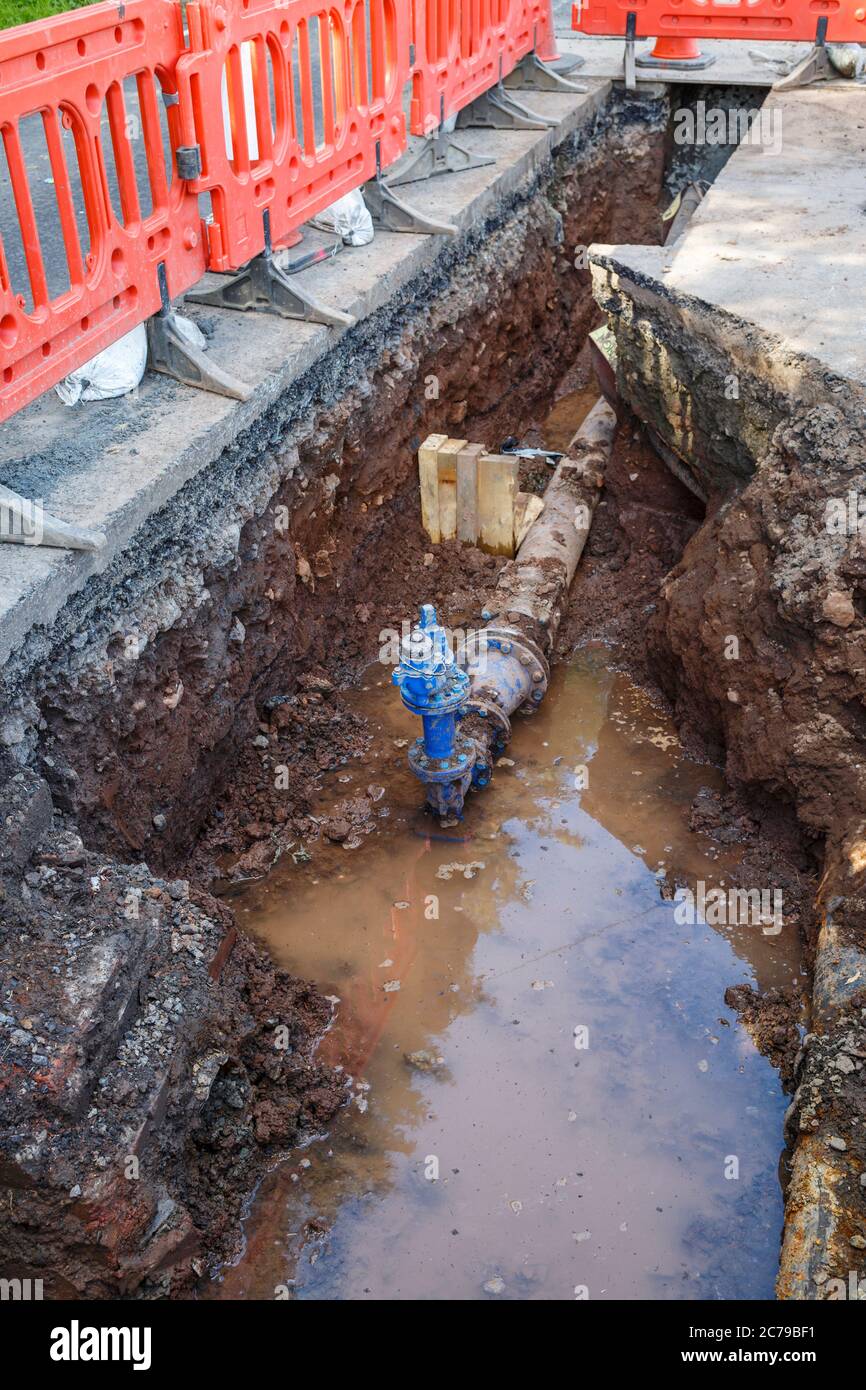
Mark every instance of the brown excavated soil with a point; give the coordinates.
(759, 640)
(155, 1062)
(167, 1038)
(785, 712)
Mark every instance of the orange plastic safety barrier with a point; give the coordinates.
(464, 47)
(90, 160)
(114, 126)
(314, 95)
(789, 20)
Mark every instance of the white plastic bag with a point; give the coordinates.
(190, 331)
(349, 218)
(118, 369)
(847, 58)
(112, 372)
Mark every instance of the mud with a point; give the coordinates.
(775, 1024)
(775, 582)
(328, 911)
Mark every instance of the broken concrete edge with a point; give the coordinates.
(782, 378)
(53, 578)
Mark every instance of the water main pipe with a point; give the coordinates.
(466, 699)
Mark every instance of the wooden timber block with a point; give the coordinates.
(527, 507)
(428, 474)
(447, 460)
(498, 476)
(467, 493)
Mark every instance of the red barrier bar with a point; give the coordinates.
(72, 76)
(313, 94)
(789, 20)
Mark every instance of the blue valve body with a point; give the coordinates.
(509, 672)
(433, 687)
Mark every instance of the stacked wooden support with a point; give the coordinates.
(472, 496)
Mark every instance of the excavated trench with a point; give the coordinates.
(205, 765)
(549, 1094)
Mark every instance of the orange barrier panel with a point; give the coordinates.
(463, 48)
(790, 20)
(310, 90)
(272, 107)
(91, 162)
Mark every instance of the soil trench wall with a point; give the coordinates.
(132, 704)
(759, 640)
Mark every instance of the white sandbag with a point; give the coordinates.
(349, 218)
(847, 58)
(190, 331)
(115, 371)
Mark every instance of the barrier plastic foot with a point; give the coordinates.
(536, 76)
(440, 154)
(171, 353)
(565, 64)
(264, 288)
(815, 67)
(390, 212)
(498, 110)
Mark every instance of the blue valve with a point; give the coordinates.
(433, 686)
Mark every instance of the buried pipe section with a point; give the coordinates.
(466, 699)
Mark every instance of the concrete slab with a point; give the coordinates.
(112, 465)
(768, 281)
(779, 240)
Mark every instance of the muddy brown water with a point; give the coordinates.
(600, 1124)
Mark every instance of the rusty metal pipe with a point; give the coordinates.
(509, 668)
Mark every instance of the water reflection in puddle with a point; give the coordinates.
(606, 1167)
